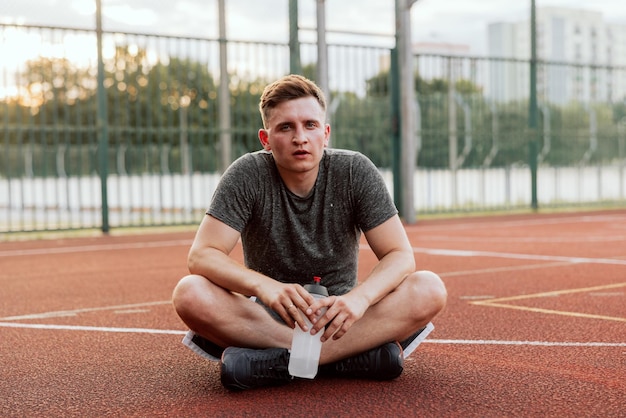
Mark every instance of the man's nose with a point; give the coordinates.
(299, 135)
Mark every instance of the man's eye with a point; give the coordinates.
(285, 127)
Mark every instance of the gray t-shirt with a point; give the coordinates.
(293, 239)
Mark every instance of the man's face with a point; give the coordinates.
(296, 135)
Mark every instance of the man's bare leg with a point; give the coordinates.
(225, 318)
(418, 299)
(229, 319)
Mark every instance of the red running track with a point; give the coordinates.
(535, 326)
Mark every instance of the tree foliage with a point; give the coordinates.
(163, 117)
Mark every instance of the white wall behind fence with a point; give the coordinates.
(435, 190)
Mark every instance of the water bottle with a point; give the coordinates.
(306, 348)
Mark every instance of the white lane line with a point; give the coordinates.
(183, 332)
(90, 248)
(130, 311)
(56, 314)
(431, 251)
(526, 239)
(470, 253)
(527, 343)
(87, 328)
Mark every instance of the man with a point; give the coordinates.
(299, 208)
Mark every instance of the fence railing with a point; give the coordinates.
(164, 135)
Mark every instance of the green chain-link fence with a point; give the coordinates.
(164, 133)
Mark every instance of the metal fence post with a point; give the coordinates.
(394, 94)
(102, 122)
(322, 51)
(407, 106)
(224, 93)
(533, 108)
(295, 66)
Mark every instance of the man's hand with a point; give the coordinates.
(289, 300)
(341, 313)
(395, 261)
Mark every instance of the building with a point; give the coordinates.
(580, 48)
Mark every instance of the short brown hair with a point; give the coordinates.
(289, 87)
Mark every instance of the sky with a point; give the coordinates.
(446, 21)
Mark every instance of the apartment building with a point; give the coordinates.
(580, 46)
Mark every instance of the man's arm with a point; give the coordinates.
(393, 250)
(209, 256)
(395, 260)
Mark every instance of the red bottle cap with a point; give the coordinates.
(316, 287)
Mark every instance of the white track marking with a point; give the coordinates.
(74, 312)
(87, 328)
(528, 343)
(430, 251)
(183, 332)
(509, 239)
(91, 248)
(130, 311)
(471, 253)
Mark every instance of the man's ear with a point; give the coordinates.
(264, 139)
(326, 135)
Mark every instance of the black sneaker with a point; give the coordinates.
(247, 368)
(380, 363)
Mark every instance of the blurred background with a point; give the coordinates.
(121, 114)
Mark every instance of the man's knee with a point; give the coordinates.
(428, 287)
(186, 293)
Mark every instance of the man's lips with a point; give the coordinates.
(300, 152)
